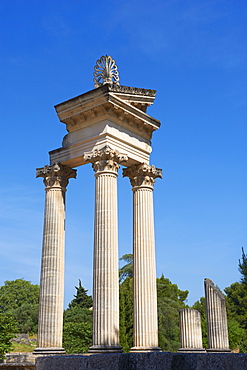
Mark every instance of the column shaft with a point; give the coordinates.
(50, 327)
(145, 293)
(105, 277)
(190, 330)
(216, 319)
(106, 290)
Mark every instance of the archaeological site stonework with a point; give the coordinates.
(108, 127)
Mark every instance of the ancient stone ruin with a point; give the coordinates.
(107, 127)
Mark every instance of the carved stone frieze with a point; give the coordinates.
(56, 175)
(142, 174)
(105, 159)
(131, 90)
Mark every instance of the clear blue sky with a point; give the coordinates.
(194, 53)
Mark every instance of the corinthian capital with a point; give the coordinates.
(142, 174)
(105, 159)
(56, 175)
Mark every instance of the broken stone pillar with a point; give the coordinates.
(142, 178)
(50, 328)
(216, 319)
(105, 279)
(190, 330)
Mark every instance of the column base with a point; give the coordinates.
(191, 350)
(105, 349)
(219, 350)
(49, 351)
(145, 349)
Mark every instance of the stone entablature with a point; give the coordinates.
(109, 115)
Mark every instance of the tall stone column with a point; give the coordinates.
(190, 330)
(216, 319)
(105, 163)
(50, 327)
(142, 178)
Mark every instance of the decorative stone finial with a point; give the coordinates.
(105, 71)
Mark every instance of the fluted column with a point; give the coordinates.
(190, 330)
(216, 319)
(105, 278)
(142, 178)
(50, 326)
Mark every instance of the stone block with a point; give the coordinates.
(212, 361)
(64, 362)
(149, 361)
(145, 361)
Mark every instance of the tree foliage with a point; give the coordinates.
(26, 317)
(127, 269)
(236, 298)
(126, 313)
(15, 293)
(169, 298)
(77, 337)
(19, 298)
(82, 299)
(242, 266)
(77, 329)
(7, 329)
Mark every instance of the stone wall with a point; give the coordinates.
(145, 361)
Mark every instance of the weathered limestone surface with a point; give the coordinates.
(145, 361)
(110, 115)
(102, 123)
(105, 280)
(50, 327)
(20, 357)
(190, 330)
(216, 319)
(142, 177)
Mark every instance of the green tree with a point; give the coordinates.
(242, 266)
(81, 299)
(126, 313)
(237, 303)
(77, 337)
(19, 298)
(170, 300)
(15, 293)
(127, 269)
(236, 334)
(26, 317)
(7, 329)
(236, 298)
(77, 329)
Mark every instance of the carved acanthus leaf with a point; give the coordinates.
(56, 175)
(105, 159)
(142, 174)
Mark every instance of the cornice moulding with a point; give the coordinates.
(89, 107)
